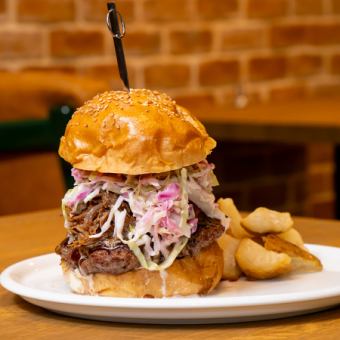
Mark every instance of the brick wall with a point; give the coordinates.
(201, 52)
(274, 49)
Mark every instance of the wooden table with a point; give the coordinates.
(305, 120)
(26, 235)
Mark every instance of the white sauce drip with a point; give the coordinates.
(163, 274)
(80, 283)
(73, 278)
(91, 284)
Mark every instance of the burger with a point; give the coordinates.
(141, 218)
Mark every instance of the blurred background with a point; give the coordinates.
(204, 53)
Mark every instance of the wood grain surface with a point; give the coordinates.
(26, 235)
(306, 120)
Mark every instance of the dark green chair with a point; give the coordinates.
(38, 135)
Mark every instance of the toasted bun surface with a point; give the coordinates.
(186, 276)
(136, 132)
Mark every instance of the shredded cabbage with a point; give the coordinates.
(161, 205)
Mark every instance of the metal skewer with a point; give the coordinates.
(116, 25)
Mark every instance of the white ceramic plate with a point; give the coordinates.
(39, 281)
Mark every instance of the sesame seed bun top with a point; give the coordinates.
(136, 132)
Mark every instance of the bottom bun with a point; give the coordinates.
(190, 275)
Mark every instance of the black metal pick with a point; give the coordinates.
(114, 21)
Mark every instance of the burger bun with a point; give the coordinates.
(199, 274)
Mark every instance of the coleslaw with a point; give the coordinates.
(161, 204)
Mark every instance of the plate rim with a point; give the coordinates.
(206, 302)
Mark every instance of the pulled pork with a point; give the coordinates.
(107, 254)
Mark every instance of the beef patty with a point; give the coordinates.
(110, 255)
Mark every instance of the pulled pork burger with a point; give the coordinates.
(141, 219)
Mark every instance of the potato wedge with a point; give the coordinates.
(229, 245)
(228, 207)
(259, 263)
(292, 236)
(302, 260)
(263, 220)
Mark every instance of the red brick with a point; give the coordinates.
(216, 9)
(167, 75)
(299, 188)
(336, 6)
(142, 43)
(335, 64)
(323, 209)
(285, 35)
(242, 38)
(308, 34)
(305, 65)
(193, 41)
(76, 42)
(320, 153)
(267, 8)
(266, 68)
(109, 73)
(166, 10)
(20, 44)
(3, 7)
(195, 101)
(305, 7)
(219, 72)
(321, 182)
(45, 11)
(326, 89)
(96, 10)
(285, 93)
(229, 98)
(325, 34)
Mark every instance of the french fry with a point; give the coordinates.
(228, 207)
(229, 245)
(263, 245)
(259, 263)
(302, 260)
(263, 220)
(292, 236)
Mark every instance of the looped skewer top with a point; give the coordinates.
(116, 26)
(119, 34)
